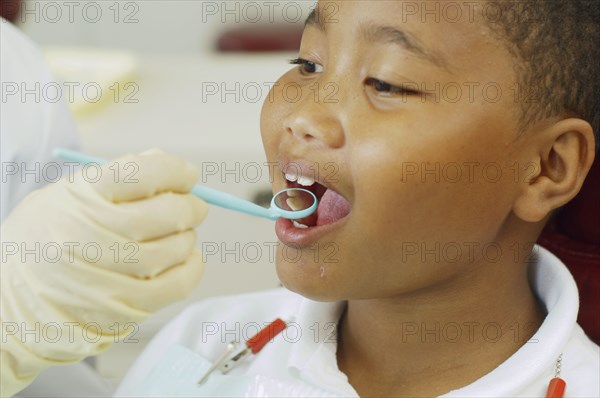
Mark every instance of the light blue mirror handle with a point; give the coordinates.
(77, 157)
(231, 202)
(210, 195)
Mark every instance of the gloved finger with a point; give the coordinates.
(174, 284)
(77, 233)
(93, 294)
(134, 177)
(150, 258)
(152, 218)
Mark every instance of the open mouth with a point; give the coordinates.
(331, 208)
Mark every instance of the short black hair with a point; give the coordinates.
(556, 45)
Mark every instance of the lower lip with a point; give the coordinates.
(303, 237)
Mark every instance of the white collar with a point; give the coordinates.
(556, 288)
(314, 357)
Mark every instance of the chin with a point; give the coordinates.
(305, 279)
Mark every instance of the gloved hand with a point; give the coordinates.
(82, 259)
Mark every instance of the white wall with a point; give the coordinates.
(171, 26)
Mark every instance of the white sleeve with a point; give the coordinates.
(32, 122)
(31, 126)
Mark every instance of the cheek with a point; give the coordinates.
(267, 127)
(429, 193)
(273, 111)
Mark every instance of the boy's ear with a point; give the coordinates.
(564, 156)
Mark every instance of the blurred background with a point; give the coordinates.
(189, 77)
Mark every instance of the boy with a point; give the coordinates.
(441, 292)
(445, 176)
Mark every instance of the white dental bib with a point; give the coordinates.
(180, 369)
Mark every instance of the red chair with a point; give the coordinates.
(574, 237)
(9, 9)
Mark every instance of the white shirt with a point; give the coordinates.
(301, 361)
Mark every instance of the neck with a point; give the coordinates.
(432, 341)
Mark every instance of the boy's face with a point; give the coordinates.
(429, 175)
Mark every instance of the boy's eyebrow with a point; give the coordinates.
(387, 34)
(390, 34)
(314, 19)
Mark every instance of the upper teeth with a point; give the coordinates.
(302, 180)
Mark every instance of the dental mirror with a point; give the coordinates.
(293, 203)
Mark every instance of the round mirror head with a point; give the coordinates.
(294, 203)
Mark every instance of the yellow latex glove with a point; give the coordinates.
(82, 259)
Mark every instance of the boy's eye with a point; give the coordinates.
(306, 66)
(384, 87)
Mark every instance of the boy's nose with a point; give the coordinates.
(313, 120)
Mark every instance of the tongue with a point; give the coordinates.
(332, 207)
